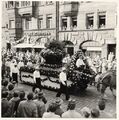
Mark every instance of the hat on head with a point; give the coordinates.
(58, 101)
(72, 101)
(85, 109)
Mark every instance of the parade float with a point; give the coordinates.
(52, 66)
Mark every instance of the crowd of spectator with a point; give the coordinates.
(18, 103)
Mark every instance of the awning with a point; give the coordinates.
(23, 45)
(39, 46)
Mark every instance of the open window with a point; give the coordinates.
(40, 22)
(49, 21)
(90, 21)
(74, 22)
(64, 23)
(102, 20)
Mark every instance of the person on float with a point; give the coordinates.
(37, 78)
(15, 73)
(29, 63)
(63, 84)
(80, 63)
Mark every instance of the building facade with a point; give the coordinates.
(71, 22)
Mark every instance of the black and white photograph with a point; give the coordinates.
(59, 59)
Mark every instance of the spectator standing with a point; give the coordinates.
(51, 114)
(5, 104)
(104, 65)
(36, 91)
(101, 106)
(4, 86)
(59, 111)
(27, 108)
(40, 104)
(63, 84)
(10, 91)
(85, 112)
(95, 113)
(14, 104)
(21, 96)
(71, 112)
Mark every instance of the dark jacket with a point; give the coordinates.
(13, 106)
(4, 107)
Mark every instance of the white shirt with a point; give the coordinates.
(14, 70)
(63, 77)
(71, 114)
(79, 62)
(20, 64)
(36, 74)
(29, 64)
(50, 115)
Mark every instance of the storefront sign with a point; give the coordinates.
(79, 36)
(40, 33)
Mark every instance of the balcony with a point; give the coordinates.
(69, 8)
(28, 7)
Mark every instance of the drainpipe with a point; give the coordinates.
(57, 20)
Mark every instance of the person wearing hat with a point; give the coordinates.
(37, 78)
(15, 73)
(71, 112)
(95, 113)
(85, 112)
(59, 111)
(101, 106)
(40, 104)
(51, 113)
(27, 108)
(63, 84)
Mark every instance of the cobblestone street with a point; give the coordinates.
(89, 98)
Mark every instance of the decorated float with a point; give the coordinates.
(52, 66)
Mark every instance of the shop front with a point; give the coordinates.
(103, 40)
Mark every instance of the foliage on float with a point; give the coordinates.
(79, 78)
(43, 71)
(53, 66)
(27, 69)
(53, 53)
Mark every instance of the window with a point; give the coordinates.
(74, 22)
(10, 4)
(11, 24)
(17, 4)
(25, 3)
(90, 20)
(64, 23)
(27, 23)
(102, 19)
(49, 21)
(40, 22)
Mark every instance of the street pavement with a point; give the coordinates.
(89, 98)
